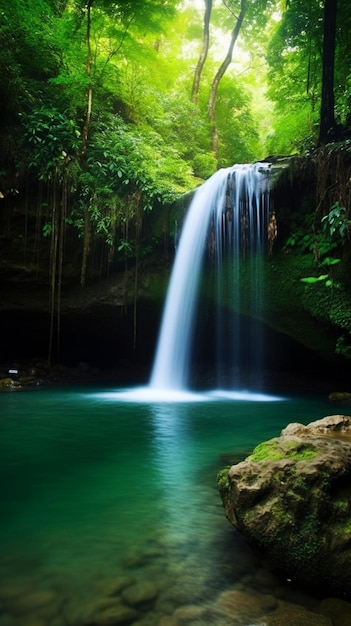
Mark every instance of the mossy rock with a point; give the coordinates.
(291, 500)
(340, 397)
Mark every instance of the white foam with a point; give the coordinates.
(150, 395)
(249, 396)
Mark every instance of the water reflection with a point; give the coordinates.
(171, 440)
(96, 490)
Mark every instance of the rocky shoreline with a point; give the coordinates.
(148, 593)
(36, 373)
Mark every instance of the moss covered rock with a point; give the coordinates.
(291, 500)
(340, 397)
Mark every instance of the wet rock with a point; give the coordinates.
(340, 397)
(151, 618)
(295, 616)
(9, 592)
(165, 605)
(291, 500)
(140, 593)
(337, 610)
(190, 612)
(116, 615)
(180, 593)
(8, 620)
(114, 587)
(31, 602)
(8, 384)
(34, 621)
(134, 558)
(99, 605)
(169, 620)
(294, 595)
(153, 551)
(81, 611)
(58, 621)
(264, 578)
(244, 604)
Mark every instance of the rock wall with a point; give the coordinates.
(114, 319)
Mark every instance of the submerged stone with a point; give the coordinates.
(291, 501)
(115, 586)
(168, 620)
(116, 615)
(296, 616)
(234, 602)
(337, 610)
(189, 612)
(30, 602)
(140, 593)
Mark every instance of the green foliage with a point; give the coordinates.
(238, 136)
(147, 142)
(335, 229)
(47, 230)
(50, 138)
(336, 223)
(126, 159)
(295, 75)
(308, 236)
(343, 345)
(294, 130)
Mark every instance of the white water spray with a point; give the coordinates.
(234, 201)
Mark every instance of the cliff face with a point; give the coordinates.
(102, 326)
(113, 321)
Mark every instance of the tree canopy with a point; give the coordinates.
(170, 74)
(111, 108)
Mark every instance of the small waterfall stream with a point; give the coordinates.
(228, 216)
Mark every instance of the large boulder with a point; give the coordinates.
(291, 501)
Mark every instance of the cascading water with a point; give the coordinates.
(229, 217)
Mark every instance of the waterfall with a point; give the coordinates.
(228, 218)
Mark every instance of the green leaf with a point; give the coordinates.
(314, 279)
(330, 261)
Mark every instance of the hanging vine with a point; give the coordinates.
(138, 225)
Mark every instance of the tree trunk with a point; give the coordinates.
(138, 225)
(90, 87)
(221, 71)
(86, 246)
(53, 264)
(327, 125)
(64, 201)
(204, 51)
(85, 133)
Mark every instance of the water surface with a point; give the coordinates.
(98, 488)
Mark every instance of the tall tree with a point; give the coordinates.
(89, 105)
(327, 125)
(85, 132)
(309, 57)
(203, 53)
(220, 73)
